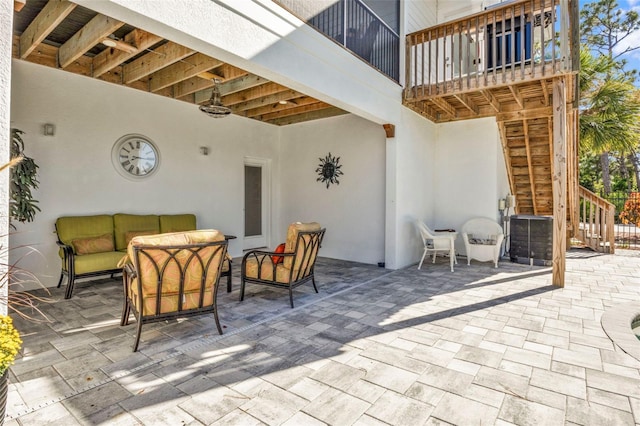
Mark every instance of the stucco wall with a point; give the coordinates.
(6, 17)
(76, 173)
(353, 211)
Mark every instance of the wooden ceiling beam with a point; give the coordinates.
(445, 106)
(51, 15)
(163, 56)
(314, 106)
(109, 59)
(91, 34)
(277, 107)
(468, 103)
(517, 95)
(266, 101)
(253, 93)
(180, 71)
(491, 99)
(314, 115)
(191, 86)
(242, 83)
(525, 125)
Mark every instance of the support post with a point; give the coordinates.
(559, 181)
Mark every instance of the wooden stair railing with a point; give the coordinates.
(596, 217)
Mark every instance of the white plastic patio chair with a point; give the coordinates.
(437, 242)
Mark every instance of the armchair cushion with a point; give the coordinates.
(290, 245)
(183, 266)
(88, 245)
(128, 236)
(282, 274)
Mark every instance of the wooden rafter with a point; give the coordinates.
(516, 95)
(109, 59)
(253, 93)
(290, 104)
(51, 15)
(444, 106)
(285, 95)
(180, 71)
(491, 99)
(527, 145)
(314, 115)
(153, 61)
(296, 110)
(91, 34)
(468, 103)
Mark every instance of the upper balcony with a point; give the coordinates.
(498, 61)
(370, 34)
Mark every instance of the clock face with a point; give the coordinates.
(135, 156)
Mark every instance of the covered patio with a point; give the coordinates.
(373, 347)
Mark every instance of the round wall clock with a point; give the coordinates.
(329, 170)
(135, 156)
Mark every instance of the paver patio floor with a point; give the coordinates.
(407, 347)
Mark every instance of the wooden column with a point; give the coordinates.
(559, 181)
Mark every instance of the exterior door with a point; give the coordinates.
(256, 203)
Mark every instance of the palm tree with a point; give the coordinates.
(609, 111)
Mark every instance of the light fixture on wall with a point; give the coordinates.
(48, 129)
(214, 108)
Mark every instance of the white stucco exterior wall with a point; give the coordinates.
(6, 29)
(354, 210)
(470, 174)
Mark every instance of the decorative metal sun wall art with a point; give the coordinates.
(329, 170)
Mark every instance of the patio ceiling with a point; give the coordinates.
(64, 35)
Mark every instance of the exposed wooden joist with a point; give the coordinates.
(468, 103)
(285, 95)
(444, 106)
(253, 93)
(491, 99)
(243, 83)
(47, 20)
(163, 56)
(516, 95)
(109, 59)
(183, 70)
(271, 108)
(91, 34)
(559, 181)
(527, 146)
(314, 115)
(190, 86)
(296, 111)
(545, 92)
(526, 114)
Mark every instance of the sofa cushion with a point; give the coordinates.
(96, 262)
(88, 245)
(177, 223)
(124, 223)
(73, 227)
(128, 236)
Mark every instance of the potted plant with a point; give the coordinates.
(10, 343)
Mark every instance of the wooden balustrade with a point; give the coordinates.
(505, 44)
(596, 219)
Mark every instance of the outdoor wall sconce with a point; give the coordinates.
(49, 129)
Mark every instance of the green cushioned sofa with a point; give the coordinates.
(94, 245)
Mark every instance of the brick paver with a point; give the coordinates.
(408, 347)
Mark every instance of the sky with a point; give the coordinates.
(633, 58)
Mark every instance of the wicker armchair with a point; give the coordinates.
(482, 240)
(289, 269)
(172, 275)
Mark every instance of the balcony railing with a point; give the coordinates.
(522, 40)
(355, 26)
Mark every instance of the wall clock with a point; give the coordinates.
(329, 170)
(135, 156)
